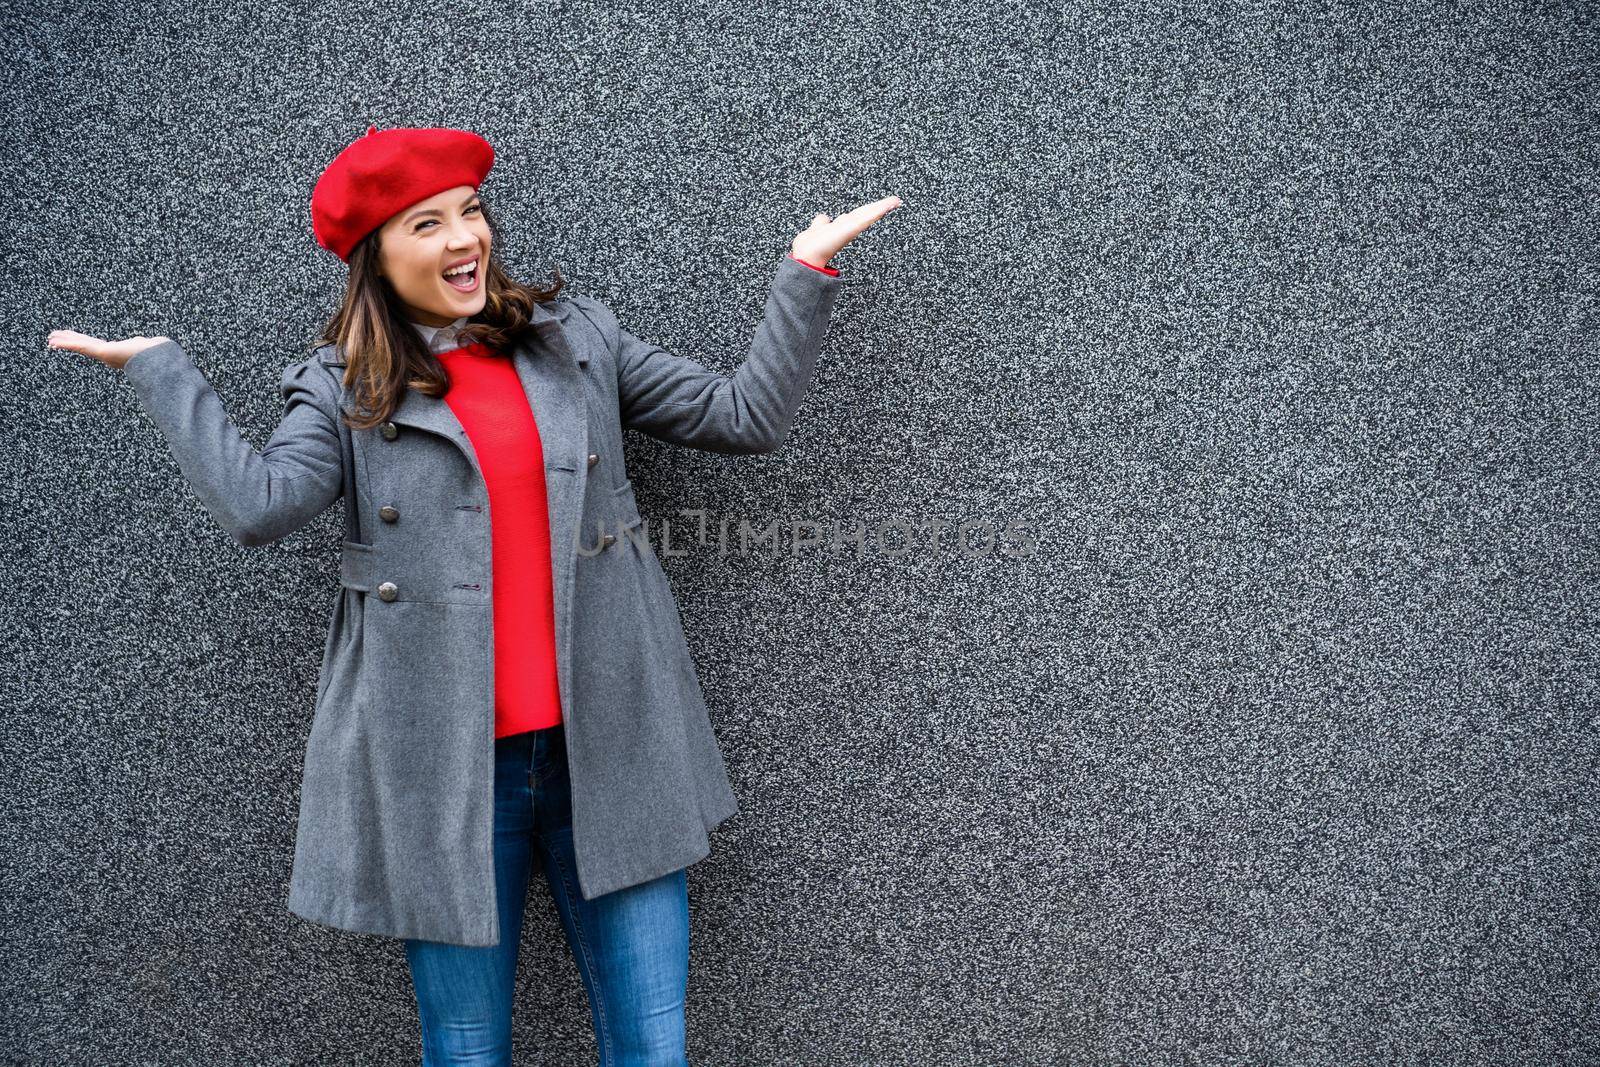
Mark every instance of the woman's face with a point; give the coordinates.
(427, 239)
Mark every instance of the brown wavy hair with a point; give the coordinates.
(383, 352)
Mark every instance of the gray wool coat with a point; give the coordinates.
(395, 832)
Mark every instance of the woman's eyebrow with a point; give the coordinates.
(435, 211)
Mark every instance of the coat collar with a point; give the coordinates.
(439, 338)
(548, 367)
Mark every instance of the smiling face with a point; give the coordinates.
(424, 249)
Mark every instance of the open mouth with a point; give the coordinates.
(463, 278)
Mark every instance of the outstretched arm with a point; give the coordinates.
(258, 497)
(679, 400)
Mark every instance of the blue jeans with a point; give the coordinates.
(631, 946)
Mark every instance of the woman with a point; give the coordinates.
(504, 676)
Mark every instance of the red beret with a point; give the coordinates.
(387, 171)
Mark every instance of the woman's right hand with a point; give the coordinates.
(111, 353)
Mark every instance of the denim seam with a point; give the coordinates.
(573, 901)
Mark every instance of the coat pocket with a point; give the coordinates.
(629, 523)
(624, 508)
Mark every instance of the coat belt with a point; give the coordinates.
(355, 566)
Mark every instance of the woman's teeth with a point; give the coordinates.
(464, 278)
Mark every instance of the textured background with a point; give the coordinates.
(1277, 327)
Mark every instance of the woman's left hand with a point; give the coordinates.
(821, 241)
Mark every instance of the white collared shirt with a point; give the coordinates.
(440, 338)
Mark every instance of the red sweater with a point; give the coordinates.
(487, 398)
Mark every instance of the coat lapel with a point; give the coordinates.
(547, 366)
(552, 376)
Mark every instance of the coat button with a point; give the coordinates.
(593, 459)
(388, 591)
(608, 540)
(388, 513)
(390, 431)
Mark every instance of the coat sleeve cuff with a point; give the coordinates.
(829, 271)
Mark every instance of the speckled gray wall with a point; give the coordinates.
(1276, 327)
